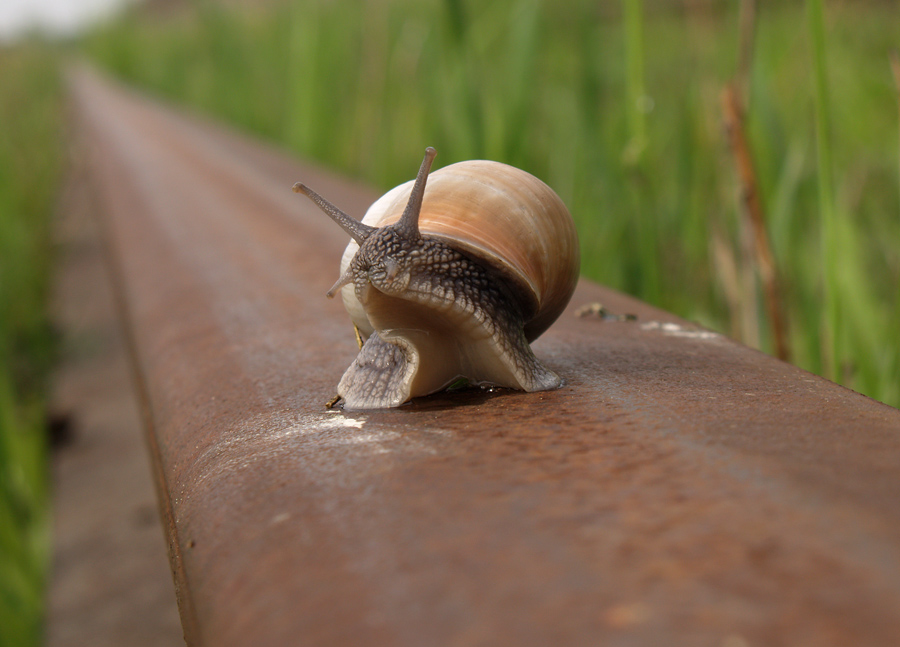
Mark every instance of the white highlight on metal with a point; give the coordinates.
(266, 436)
(367, 438)
(676, 330)
(338, 421)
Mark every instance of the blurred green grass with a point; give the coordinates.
(616, 106)
(30, 163)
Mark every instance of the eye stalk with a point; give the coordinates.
(408, 225)
(357, 230)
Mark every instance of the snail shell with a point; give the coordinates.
(500, 215)
(452, 279)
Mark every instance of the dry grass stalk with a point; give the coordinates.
(765, 261)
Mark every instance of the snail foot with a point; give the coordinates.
(379, 377)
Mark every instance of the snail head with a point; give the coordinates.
(385, 254)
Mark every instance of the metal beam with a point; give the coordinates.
(681, 489)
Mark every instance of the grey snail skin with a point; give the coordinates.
(452, 276)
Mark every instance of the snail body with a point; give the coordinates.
(454, 280)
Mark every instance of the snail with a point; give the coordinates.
(453, 281)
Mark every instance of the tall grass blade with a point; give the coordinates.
(634, 154)
(830, 257)
(635, 91)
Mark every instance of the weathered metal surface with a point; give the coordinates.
(681, 489)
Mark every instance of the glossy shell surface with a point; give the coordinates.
(500, 215)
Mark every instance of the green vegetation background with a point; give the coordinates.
(31, 158)
(616, 105)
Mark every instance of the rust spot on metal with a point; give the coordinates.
(680, 489)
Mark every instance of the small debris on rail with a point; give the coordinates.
(597, 309)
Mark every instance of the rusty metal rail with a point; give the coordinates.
(680, 490)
